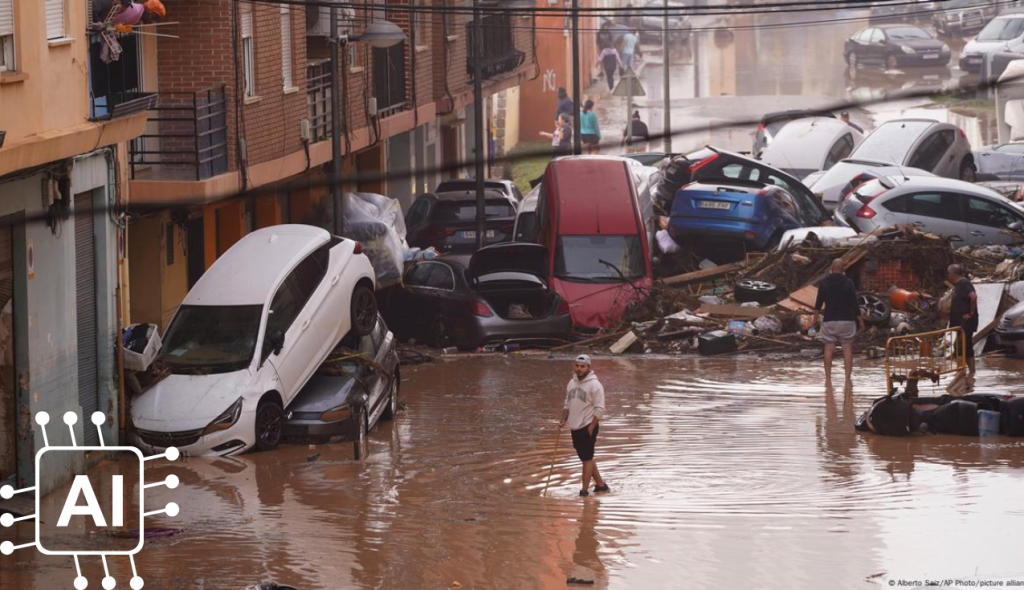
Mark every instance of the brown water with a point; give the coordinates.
(727, 473)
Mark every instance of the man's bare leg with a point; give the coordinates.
(830, 349)
(588, 470)
(848, 360)
(598, 480)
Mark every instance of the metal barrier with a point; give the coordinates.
(940, 352)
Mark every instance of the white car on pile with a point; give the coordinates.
(249, 335)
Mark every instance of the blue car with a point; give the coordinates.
(728, 217)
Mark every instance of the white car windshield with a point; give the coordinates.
(211, 338)
(1002, 29)
(907, 33)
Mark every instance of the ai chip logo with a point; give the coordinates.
(95, 518)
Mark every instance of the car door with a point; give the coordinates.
(938, 213)
(379, 381)
(934, 154)
(988, 222)
(405, 304)
(292, 313)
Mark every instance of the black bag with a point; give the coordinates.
(1012, 418)
(957, 417)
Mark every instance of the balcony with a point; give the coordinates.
(389, 79)
(115, 88)
(499, 50)
(186, 138)
(318, 99)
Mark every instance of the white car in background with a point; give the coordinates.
(1003, 34)
(939, 148)
(810, 145)
(526, 218)
(249, 335)
(833, 186)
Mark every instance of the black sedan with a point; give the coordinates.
(354, 389)
(447, 220)
(894, 46)
(498, 295)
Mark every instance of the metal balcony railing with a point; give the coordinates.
(499, 51)
(318, 99)
(115, 88)
(186, 139)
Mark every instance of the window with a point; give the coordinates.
(907, 34)
(937, 205)
(985, 212)
(840, 150)
(417, 275)
(417, 23)
(454, 211)
(7, 63)
(863, 36)
(877, 36)
(294, 292)
(417, 213)
(286, 45)
(440, 277)
(931, 150)
(54, 19)
(248, 50)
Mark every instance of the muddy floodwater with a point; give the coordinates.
(727, 473)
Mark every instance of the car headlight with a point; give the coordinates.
(226, 420)
(1019, 322)
(908, 49)
(342, 412)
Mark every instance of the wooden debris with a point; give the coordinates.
(733, 311)
(624, 343)
(700, 275)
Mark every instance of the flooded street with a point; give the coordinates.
(725, 473)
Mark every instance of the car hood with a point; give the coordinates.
(187, 402)
(324, 392)
(510, 257)
(976, 46)
(598, 305)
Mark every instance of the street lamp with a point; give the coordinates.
(378, 34)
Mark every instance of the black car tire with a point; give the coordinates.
(851, 60)
(968, 171)
(269, 417)
(891, 63)
(876, 309)
(363, 310)
(361, 446)
(763, 292)
(391, 410)
(441, 334)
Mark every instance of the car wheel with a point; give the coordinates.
(968, 172)
(269, 417)
(762, 292)
(890, 62)
(392, 408)
(442, 333)
(361, 446)
(875, 308)
(851, 60)
(364, 310)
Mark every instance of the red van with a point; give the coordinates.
(589, 218)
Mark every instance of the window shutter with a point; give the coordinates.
(6, 17)
(286, 45)
(54, 19)
(246, 22)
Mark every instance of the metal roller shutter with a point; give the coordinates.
(6, 17)
(54, 19)
(85, 279)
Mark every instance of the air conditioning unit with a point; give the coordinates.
(318, 21)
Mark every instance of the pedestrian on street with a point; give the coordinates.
(636, 135)
(845, 116)
(561, 137)
(838, 295)
(629, 45)
(963, 313)
(590, 130)
(565, 105)
(583, 410)
(610, 62)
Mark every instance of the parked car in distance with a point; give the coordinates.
(727, 218)
(651, 24)
(454, 185)
(447, 221)
(831, 187)
(963, 17)
(346, 402)
(1003, 34)
(499, 294)
(1003, 161)
(249, 335)
(939, 148)
(599, 256)
(949, 208)
(895, 45)
(1010, 330)
(526, 218)
(810, 145)
(772, 123)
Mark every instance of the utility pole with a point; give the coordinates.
(696, 63)
(337, 197)
(478, 123)
(577, 141)
(667, 115)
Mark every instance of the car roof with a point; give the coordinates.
(793, 114)
(946, 184)
(595, 195)
(896, 26)
(804, 143)
(252, 268)
(488, 183)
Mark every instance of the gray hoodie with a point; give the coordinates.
(584, 398)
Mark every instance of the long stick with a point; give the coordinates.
(554, 452)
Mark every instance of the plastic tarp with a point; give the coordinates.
(377, 223)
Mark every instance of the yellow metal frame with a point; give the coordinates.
(935, 351)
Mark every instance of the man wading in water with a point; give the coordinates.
(583, 410)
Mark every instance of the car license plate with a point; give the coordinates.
(723, 205)
(931, 56)
(471, 234)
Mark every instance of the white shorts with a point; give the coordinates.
(841, 332)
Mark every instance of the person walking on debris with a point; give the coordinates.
(636, 135)
(590, 130)
(963, 313)
(838, 295)
(610, 61)
(583, 410)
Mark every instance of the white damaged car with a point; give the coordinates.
(249, 335)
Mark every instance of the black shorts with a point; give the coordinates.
(584, 442)
(589, 139)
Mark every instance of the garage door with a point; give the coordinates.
(85, 279)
